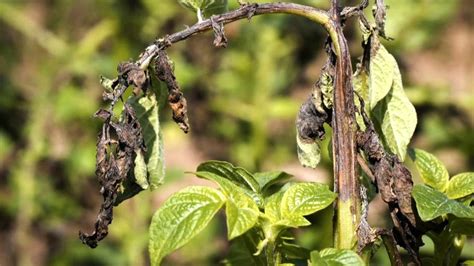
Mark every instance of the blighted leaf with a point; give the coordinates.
(238, 175)
(140, 170)
(267, 179)
(309, 152)
(431, 204)
(396, 117)
(382, 70)
(107, 84)
(335, 257)
(241, 210)
(146, 108)
(432, 171)
(460, 185)
(180, 218)
(306, 198)
(129, 188)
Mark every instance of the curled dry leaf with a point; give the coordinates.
(114, 160)
(219, 36)
(176, 100)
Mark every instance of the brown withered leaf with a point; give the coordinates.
(219, 36)
(164, 72)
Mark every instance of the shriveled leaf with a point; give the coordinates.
(335, 257)
(382, 73)
(432, 171)
(180, 218)
(267, 179)
(306, 198)
(140, 170)
(146, 109)
(129, 188)
(396, 117)
(309, 153)
(460, 185)
(462, 226)
(241, 210)
(238, 175)
(431, 204)
(107, 84)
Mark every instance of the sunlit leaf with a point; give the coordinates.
(180, 218)
(460, 185)
(432, 171)
(241, 210)
(238, 175)
(382, 73)
(431, 204)
(396, 117)
(205, 7)
(335, 257)
(146, 109)
(306, 198)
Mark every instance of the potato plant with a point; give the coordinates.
(372, 122)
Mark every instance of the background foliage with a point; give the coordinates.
(242, 103)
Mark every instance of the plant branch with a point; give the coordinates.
(244, 12)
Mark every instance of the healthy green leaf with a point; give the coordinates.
(382, 73)
(335, 257)
(241, 210)
(206, 7)
(238, 175)
(272, 207)
(460, 185)
(432, 171)
(306, 198)
(242, 250)
(396, 117)
(146, 109)
(180, 218)
(267, 179)
(462, 226)
(431, 204)
(309, 153)
(140, 170)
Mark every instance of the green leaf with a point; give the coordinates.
(431, 204)
(242, 250)
(396, 117)
(241, 210)
(462, 226)
(460, 185)
(237, 175)
(432, 171)
(180, 218)
(306, 198)
(382, 74)
(267, 179)
(335, 257)
(206, 7)
(272, 207)
(146, 109)
(309, 153)
(140, 171)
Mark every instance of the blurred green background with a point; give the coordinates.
(242, 105)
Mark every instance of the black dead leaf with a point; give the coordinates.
(115, 150)
(134, 75)
(219, 36)
(176, 100)
(395, 184)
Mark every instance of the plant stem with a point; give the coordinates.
(346, 182)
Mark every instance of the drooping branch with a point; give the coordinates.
(244, 12)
